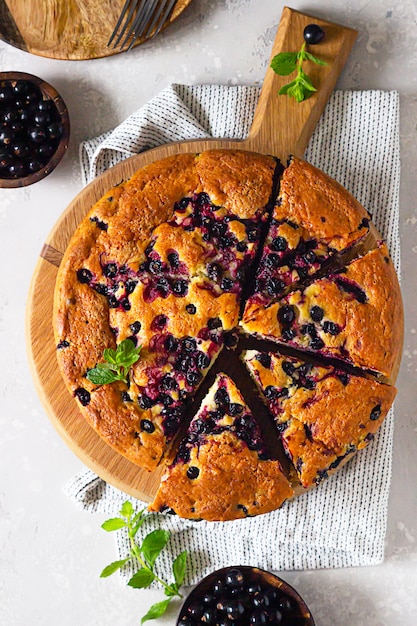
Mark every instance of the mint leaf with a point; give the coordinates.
(156, 610)
(109, 355)
(297, 92)
(314, 59)
(116, 363)
(306, 82)
(284, 63)
(100, 376)
(115, 523)
(127, 509)
(153, 544)
(285, 88)
(113, 567)
(127, 353)
(179, 568)
(171, 591)
(142, 578)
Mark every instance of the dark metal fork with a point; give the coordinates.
(140, 18)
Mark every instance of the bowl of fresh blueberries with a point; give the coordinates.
(34, 129)
(244, 596)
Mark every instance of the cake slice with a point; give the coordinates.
(313, 219)
(354, 315)
(223, 469)
(323, 414)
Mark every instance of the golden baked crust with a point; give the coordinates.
(312, 199)
(322, 413)
(160, 259)
(354, 315)
(223, 470)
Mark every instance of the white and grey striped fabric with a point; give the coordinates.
(342, 523)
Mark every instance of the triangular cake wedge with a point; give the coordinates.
(223, 469)
(161, 259)
(313, 220)
(354, 315)
(323, 414)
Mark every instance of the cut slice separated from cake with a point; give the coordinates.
(314, 219)
(223, 469)
(323, 414)
(354, 315)
(160, 259)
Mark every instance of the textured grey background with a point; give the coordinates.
(51, 553)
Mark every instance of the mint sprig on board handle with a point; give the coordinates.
(116, 364)
(145, 555)
(285, 63)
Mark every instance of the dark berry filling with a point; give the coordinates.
(84, 276)
(375, 413)
(281, 265)
(264, 359)
(159, 322)
(286, 315)
(101, 225)
(147, 426)
(331, 328)
(135, 327)
(350, 287)
(193, 472)
(209, 423)
(83, 396)
(316, 313)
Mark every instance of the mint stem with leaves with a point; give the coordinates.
(145, 554)
(116, 364)
(286, 63)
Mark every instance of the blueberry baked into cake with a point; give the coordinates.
(220, 253)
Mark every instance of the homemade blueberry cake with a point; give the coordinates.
(192, 258)
(223, 469)
(322, 413)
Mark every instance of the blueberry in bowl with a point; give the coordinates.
(244, 596)
(34, 129)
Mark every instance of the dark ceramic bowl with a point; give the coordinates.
(34, 129)
(244, 596)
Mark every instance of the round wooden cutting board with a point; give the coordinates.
(280, 127)
(66, 29)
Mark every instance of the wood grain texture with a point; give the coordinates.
(280, 127)
(65, 29)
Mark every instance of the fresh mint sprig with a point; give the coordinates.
(285, 63)
(116, 364)
(145, 555)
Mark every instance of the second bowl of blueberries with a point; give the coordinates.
(244, 596)
(34, 129)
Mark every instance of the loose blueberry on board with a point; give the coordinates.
(34, 129)
(313, 34)
(243, 596)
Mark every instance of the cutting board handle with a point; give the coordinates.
(267, 135)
